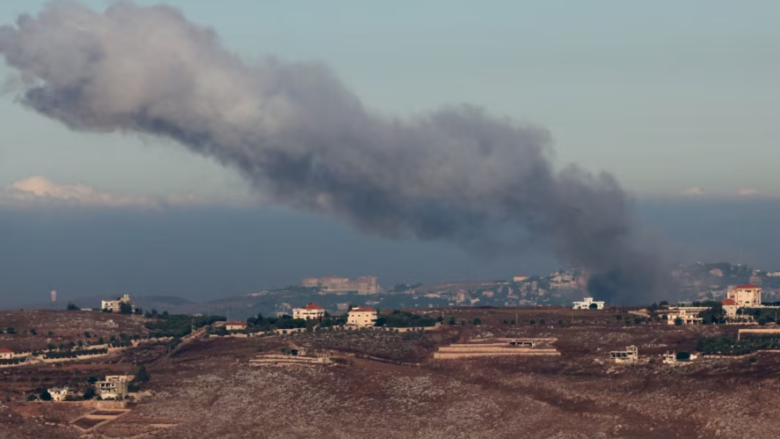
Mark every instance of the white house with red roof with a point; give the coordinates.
(746, 296)
(310, 311)
(235, 326)
(6, 354)
(362, 316)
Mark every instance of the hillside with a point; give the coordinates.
(387, 382)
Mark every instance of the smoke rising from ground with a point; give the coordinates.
(305, 141)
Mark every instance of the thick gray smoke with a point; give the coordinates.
(305, 141)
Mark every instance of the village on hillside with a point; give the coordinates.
(111, 369)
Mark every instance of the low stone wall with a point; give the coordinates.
(756, 332)
(286, 360)
(517, 353)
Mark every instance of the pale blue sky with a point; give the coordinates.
(665, 94)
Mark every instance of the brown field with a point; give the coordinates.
(208, 389)
(87, 423)
(65, 326)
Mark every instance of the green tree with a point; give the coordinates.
(142, 376)
(678, 321)
(72, 307)
(683, 356)
(593, 306)
(10, 330)
(44, 395)
(452, 321)
(125, 308)
(87, 334)
(33, 331)
(89, 393)
(477, 321)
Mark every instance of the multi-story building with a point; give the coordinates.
(362, 316)
(520, 278)
(364, 285)
(116, 305)
(114, 386)
(310, 311)
(746, 296)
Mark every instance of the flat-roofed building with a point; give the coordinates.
(362, 316)
(628, 355)
(114, 386)
(746, 296)
(116, 305)
(588, 303)
(364, 285)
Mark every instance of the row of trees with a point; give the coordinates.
(179, 325)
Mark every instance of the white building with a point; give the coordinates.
(235, 326)
(688, 315)
(587, 303)
(746, 296)
(363, 285)
(362, 316)
(6, 354)
(520, 278)
(629, 355)
(310, 311)
(116, 305)
(671, 358)
(58, 393)
(114, 386)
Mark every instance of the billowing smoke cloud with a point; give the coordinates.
(307, 142)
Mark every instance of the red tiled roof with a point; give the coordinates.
(728, 302)
(746, 287)
(313, 305)
(235, 323)
(6, 351)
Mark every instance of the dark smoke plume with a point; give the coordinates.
(305, 141)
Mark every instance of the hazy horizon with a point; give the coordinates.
(207, 254)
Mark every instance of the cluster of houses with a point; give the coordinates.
(115, 387)
(359, 316)
(742, 296)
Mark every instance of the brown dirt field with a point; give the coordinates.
(87, 423)
(66, 326)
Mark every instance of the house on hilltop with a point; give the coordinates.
(362, 316)
(310, 311)
(235, 326)
(116, 305)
